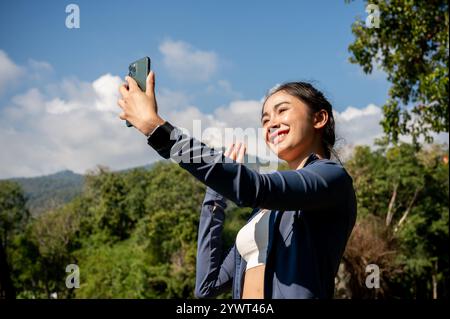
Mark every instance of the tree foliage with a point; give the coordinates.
(411, 47)
(133, 234)
(402, 225)
(13, 214)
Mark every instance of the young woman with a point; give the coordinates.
(292, 244)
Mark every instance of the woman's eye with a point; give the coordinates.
(282, 110)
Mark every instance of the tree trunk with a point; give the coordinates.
(434, 280)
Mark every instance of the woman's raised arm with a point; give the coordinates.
(319, 185)
(316, 186)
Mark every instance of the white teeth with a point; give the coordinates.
(279, 137)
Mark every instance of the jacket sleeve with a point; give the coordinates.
(214, 273)
(316, 186)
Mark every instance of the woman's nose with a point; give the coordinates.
(272, 127)
(273, 124)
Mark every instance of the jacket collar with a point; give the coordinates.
(311, 158)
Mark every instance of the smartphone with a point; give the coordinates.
(139, 71)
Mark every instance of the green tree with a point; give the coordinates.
(40, 253)
(13, 218)
(108, 215)
(13, 214)
(171, 188)
(408, 191)
(157, 253)
(7, 290)
(423, 231)
(28, 270)
(411, 47)
(113, 271)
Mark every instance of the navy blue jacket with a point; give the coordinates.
(313, 211)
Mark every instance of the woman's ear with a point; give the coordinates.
(320, 119)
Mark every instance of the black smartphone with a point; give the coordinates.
(139, 71)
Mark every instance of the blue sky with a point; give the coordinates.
(259, 43)
(214, 62)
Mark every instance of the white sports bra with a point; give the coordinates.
(253, 238)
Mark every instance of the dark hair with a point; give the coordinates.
(316, 101)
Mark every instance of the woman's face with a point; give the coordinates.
(287, 124)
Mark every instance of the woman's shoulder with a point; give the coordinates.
(329, 167)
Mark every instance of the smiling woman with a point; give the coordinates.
(297, 117)
(295, 237)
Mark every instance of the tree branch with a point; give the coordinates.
(411, 203)
(390, 211)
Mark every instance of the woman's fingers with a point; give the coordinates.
(241, 153)
(228, 150)
(231, 151)
(139, 108)
(123, 89)
(150, 86)
(235, 151)
(121, 103)
(131, 83)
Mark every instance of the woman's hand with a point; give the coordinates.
(236, 152)
(139, 108)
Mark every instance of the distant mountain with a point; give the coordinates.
(50, 191)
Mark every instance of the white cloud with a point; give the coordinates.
(441, 138)
(41, 134)
(40, 66)
(74, 125)
(223, 88)
(169, 100)
(358, 126)
(9, 71)
(184, 62)
(106, 88)
(241, 113)
(361, 126)
(351, 112)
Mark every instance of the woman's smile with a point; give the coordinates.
(278, 136)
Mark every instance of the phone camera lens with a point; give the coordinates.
(132, 68)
